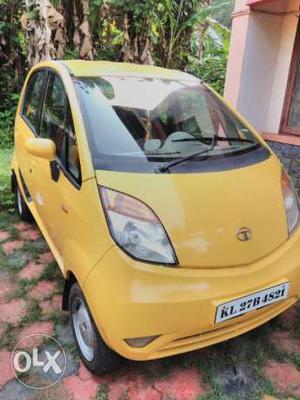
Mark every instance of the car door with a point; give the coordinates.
(57, 182)
(67, 204)
(27, 126)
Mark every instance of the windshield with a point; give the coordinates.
(136, 123)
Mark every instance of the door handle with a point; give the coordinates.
(54, 170)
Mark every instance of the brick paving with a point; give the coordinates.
(32, 270)
(42, 290)
(285, 377)
(28, 335)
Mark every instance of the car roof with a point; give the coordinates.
(81, 68)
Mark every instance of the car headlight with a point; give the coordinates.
(136, 229)
(291, 202)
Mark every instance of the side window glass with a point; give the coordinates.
(52, 125)
(57, 125)
(33, 99)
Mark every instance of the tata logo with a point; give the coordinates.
(244, 234)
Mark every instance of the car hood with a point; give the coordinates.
(203, 212)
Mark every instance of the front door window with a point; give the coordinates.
(57, 125)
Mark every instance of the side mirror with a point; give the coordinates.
(43, 148)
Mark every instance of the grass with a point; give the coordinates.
(9, 339)
(33, 314)
(6, 198)
(14, 262)
(14, 233)
(102, 393)
(52, 273)
(59, 318)
(24, 285)
(36, 247)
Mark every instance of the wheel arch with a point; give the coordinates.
(13, 181)
(70, 279)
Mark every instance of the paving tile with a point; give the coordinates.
(22, 226)
(13, 311)
(81, 390)
(284, 342)
(7, 287)
(2, 330)
(46, 258)
(284, 376)
(11, 246)
(84, 374)
(4, 236)
(18, 259)
(44, 328)
(14, 390)
(290, 318)
(30, 234)
(31, 271)
(64, 334)
(54, 304)
(134, 387)
(129, 386)
(5, 368)
(42, 290)
(182, 384)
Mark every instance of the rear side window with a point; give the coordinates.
(57, 125)
(33, 99)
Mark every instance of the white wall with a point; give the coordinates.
(258, 67)
(260, 59)
(281, 73)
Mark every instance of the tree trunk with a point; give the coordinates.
(45, 31)
(87, 49)
(136, 47)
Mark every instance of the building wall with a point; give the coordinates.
(259, 59)
(281, 72)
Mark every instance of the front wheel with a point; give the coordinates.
(95, 354)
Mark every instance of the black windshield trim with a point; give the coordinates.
(210, 164)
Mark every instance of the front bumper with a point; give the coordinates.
(130, 299)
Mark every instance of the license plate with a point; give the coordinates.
(253, 301)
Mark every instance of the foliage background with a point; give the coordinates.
(191, 35)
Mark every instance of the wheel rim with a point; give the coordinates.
(19, 201)
(83, 328)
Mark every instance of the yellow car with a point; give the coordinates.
(174, 224)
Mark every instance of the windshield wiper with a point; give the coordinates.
(217, 138)
(166, 167)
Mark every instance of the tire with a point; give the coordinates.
(95, 354)
(22, 207)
